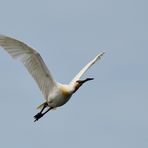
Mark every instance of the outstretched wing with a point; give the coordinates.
(86, 67)
(31, 60)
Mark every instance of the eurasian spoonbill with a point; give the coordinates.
(55, 94)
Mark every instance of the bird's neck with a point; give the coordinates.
(66, 90)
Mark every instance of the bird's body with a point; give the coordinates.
(59, 96)
(55, 94)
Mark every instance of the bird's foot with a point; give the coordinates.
(38, 116)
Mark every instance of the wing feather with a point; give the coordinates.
(32, 61)
(86, 67)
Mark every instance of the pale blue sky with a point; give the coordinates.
(109, 112)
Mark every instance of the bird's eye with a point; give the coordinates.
(78, 81)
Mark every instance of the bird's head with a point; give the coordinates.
(79, 83)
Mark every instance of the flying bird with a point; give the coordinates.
(55, 93)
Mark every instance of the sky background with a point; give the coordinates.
(109, 112)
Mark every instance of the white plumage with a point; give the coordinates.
(55, 94)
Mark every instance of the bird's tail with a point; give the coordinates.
(41, 105)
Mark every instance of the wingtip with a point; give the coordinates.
(101, 54)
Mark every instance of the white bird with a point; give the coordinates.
(55, 94)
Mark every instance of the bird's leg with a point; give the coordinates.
(40, 114)
(45, 105)
(47, 110)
